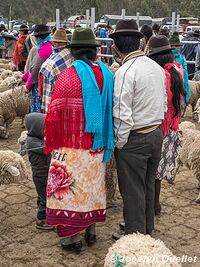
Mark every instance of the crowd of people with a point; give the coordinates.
(81, 112)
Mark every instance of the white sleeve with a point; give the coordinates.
(122, 107)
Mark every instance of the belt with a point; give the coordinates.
(147, 129)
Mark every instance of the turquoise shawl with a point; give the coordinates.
(41, 41)
(98, 107)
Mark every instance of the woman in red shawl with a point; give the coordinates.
(19, 59)
(79, 134)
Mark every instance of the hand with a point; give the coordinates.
(19, 81)
(26, 91)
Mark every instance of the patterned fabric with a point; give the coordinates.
(50, 70)
(76, 194)
(170, 151)
(35, 101)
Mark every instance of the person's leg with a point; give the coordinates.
(157, 205)
(72, 243)
(40, 185)
(131, 163)
(155, 140)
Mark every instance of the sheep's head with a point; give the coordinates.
(22, 143)
(10, 174)
(6, 73)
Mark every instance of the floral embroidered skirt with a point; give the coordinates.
(169, 155)
(35, 100)
(76, 193)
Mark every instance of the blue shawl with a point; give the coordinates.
(98, 107)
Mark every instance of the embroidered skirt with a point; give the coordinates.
(35, 100)
(169, 155)
(76, 194)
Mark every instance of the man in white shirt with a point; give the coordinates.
(139, 105)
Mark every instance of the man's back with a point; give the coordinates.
(141, 81)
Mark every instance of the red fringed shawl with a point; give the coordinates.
(18, 57)
(65, 119)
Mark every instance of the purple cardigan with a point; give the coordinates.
(31, 76)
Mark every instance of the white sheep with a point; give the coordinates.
(138, 250)
(6, 73)
(196, 112)
(190, 152)
(13, 103)
(195, 95)
(17, 75)
(8, 66)
(8, 82)
(22, 143)
(12, 168)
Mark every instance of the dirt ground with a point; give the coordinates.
(22, 245)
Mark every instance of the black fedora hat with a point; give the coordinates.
(126, 27)
(83, 37)
(23, 27)
(158, 44)
(41, 29)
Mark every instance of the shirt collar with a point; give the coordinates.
(132, 55)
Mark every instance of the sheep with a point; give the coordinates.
(13, 103)
(7, 66)
(6, 73)
(17, 75)
(195, 95)
(22, 143)
(190, 152)
(8, 81)
(141, 251)
(196, 112)
(12, 168)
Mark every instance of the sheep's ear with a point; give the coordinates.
(13, 171)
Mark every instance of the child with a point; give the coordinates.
(40, 163)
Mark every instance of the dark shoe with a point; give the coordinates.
(41, 224)
(90, 239)
(76, 247)
(117, 235)
(122, 226)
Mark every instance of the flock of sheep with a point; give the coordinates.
(14, 102)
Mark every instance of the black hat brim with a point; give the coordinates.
(128, 32)
(160, 52)
(82, 45)
(38, 34)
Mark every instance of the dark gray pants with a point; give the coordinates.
(137, 164)
(40, 185)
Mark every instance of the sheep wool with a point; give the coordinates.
(13, 103)
(5, 74)
(190, 151)
(138, 250)
(12, 168)
(195, 95)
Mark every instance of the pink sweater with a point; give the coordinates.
(31, 76)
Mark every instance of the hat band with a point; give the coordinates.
(159, 49)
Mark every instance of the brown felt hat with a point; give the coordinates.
(126, 27)
(158, 44)
(60, 36)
